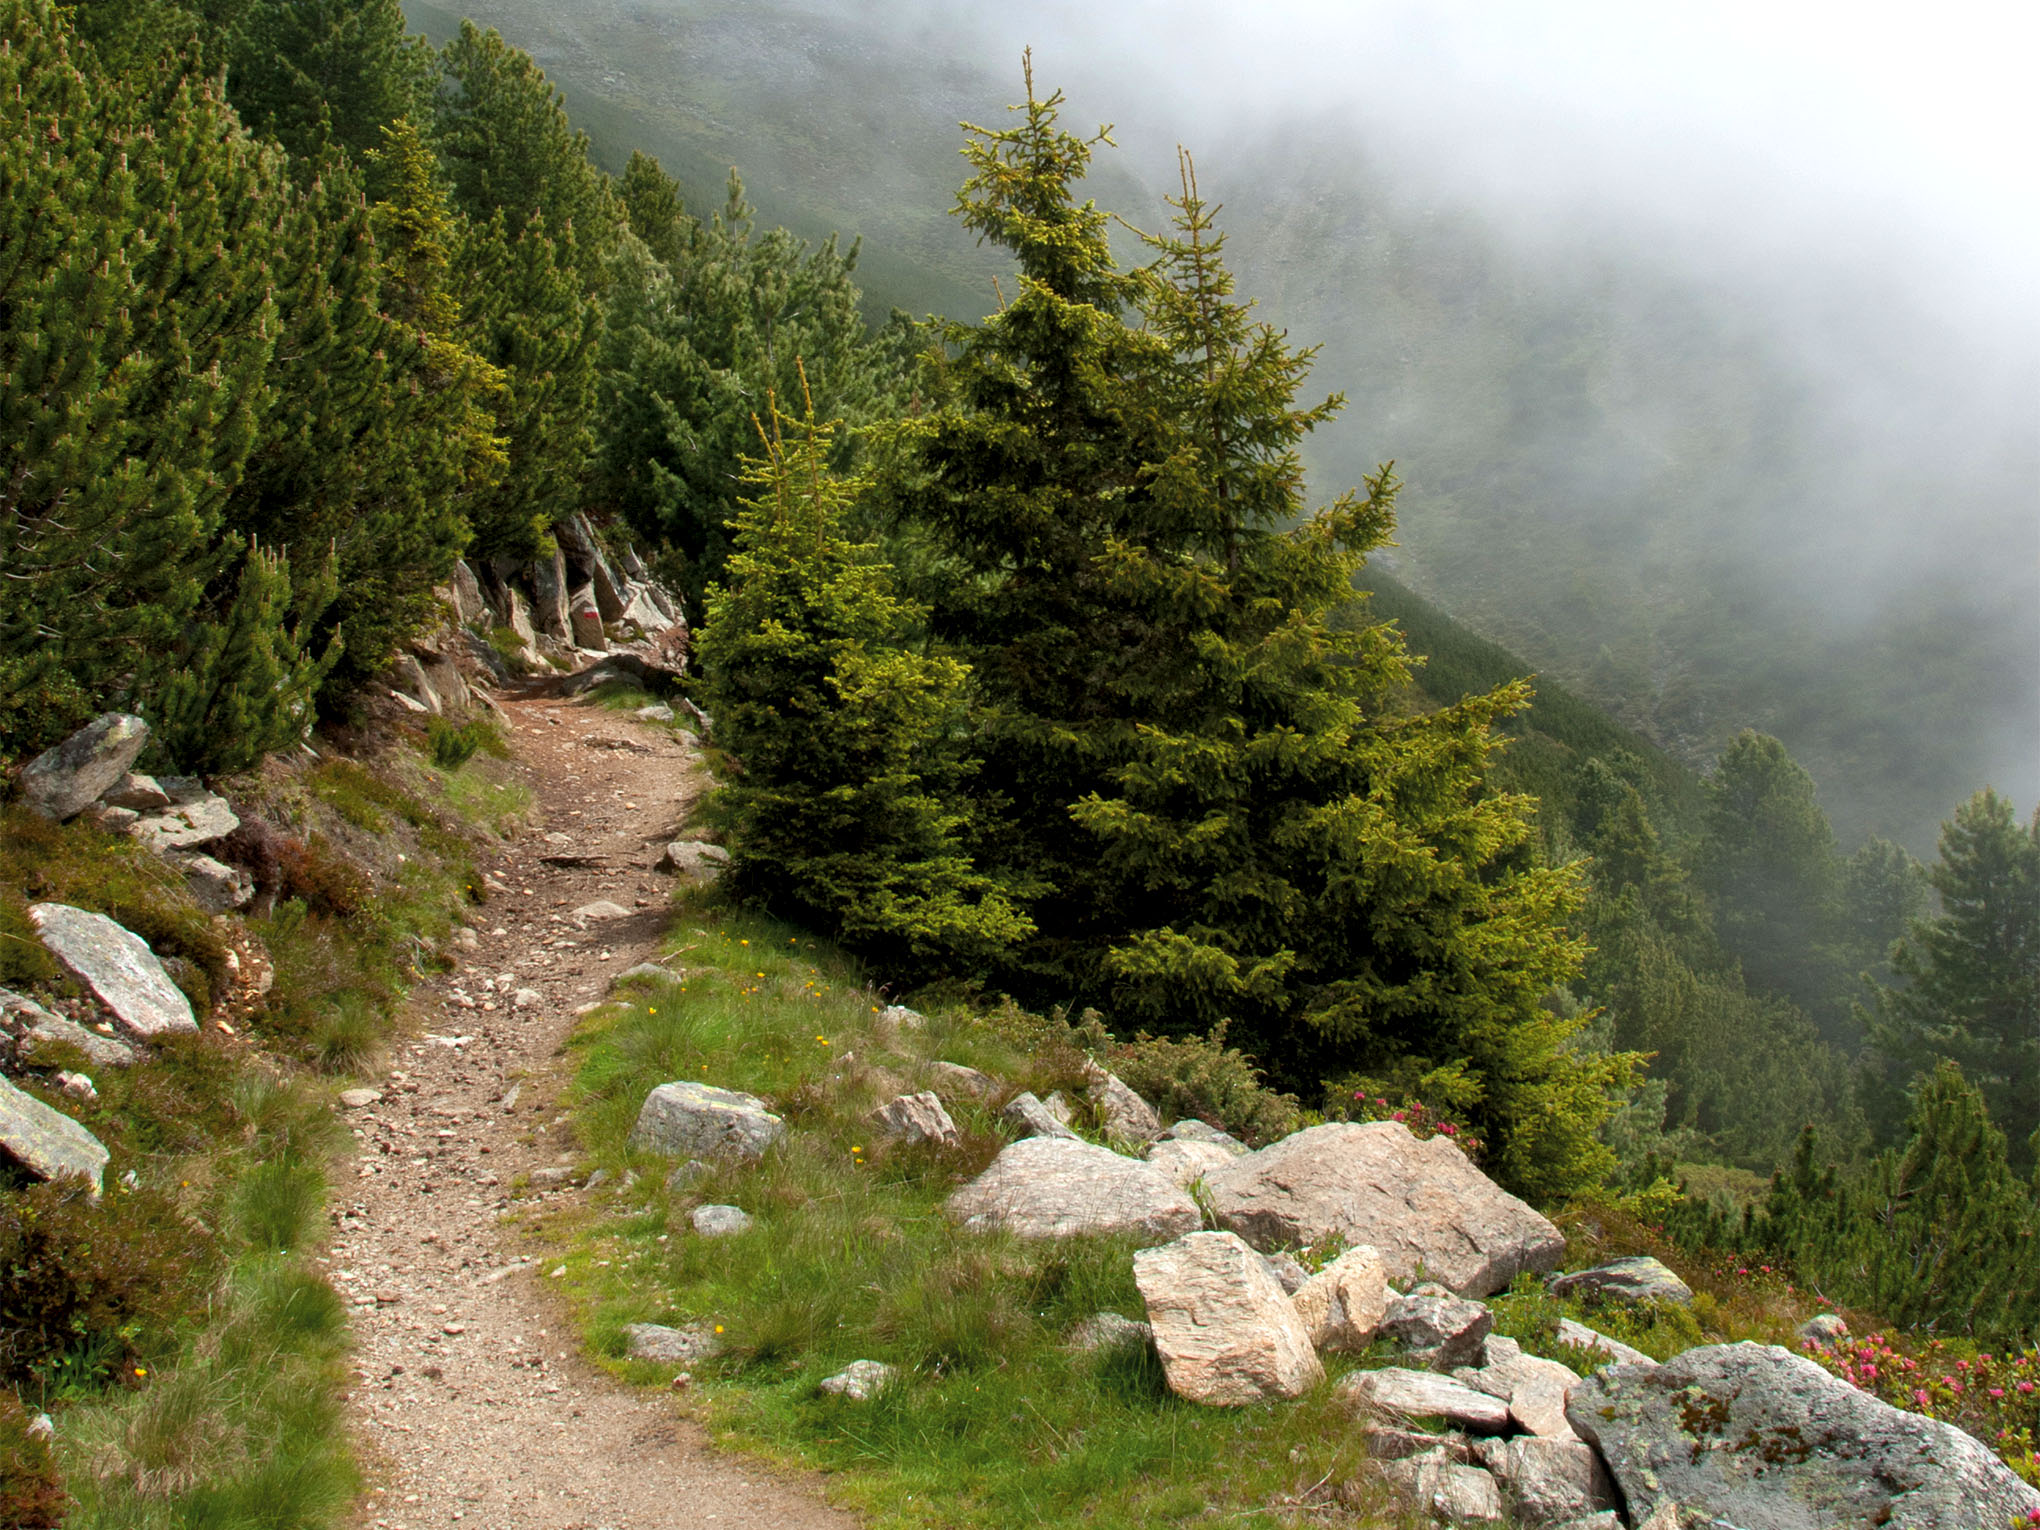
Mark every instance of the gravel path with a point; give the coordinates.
(470, 1401)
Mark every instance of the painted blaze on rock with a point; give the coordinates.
(1422, 1204)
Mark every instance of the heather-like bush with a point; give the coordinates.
(1201, 1076)
(31, 1495)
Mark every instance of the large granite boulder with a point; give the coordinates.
(1341, 1307)
(118, 966)
(1224, 1328)
(1059, 1187)
(1421, 1203)
(689, 1120)
(62, 782)
(1639, 1278)
(46, 1142)
(1763, 1439)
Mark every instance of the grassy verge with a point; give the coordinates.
(996, 1421)
(176, 1330)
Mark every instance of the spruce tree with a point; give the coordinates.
(1967, 983)
(838, 809)
(324, 74)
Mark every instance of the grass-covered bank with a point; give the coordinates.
(178, 1331)
(996, 1419)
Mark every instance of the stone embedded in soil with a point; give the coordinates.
(601, 911)
(681, 1346)
(186, 825)
(1055, 1187)
(360, 1099)
(118, 966)
(685, 1119)
(1579, 1336)
(951, 1080)
(62, 782)
(695, 859)
(43, 1032)
(859, 1381)
(1639, 1278)
(215, 886)
(1028, 1116)
(720, 1221)
(1421, 1203)
(1109, 1330)
(46, 1142)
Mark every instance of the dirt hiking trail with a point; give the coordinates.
(470, 1399)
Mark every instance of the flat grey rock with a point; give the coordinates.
(1639, 1278)
(139, 794)
(601, 911)
(1763, 1439)
(46, 1142)
(43, 1032)
(859, 1381)
(62, 782)
(1025, 1114)
(1580, 1336)
(202, 820)
(678, 1346)
(720, 1221)
(689, 1120)
(1421, 1203)
(359, 1099)
(1055, 1187)
(1407, 1394)
(118, 966)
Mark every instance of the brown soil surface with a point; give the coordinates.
(471, 1401)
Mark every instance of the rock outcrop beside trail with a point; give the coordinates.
(1421, 1203)
(1059, 1187)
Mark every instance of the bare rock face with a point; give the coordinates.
(1437, 1332)
(1028, 1116)
(1059, 1187)
(1125, 1114)
(685, 1119)
(1422, 1204)
(1404, 1394)
(1756, 1436)
(915, 1118)
(1187, 1162)
(1342, 1305)
(46, 1142)
(118, 966)
(1224, 1328)
(549, 598)
(62, 782)
(586, 618)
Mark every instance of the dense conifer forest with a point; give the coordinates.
(1039, 669)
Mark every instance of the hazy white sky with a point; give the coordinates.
(1900, 135)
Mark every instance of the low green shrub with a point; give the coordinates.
(1202, 1077)
(32, 1495)
(452, 747)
